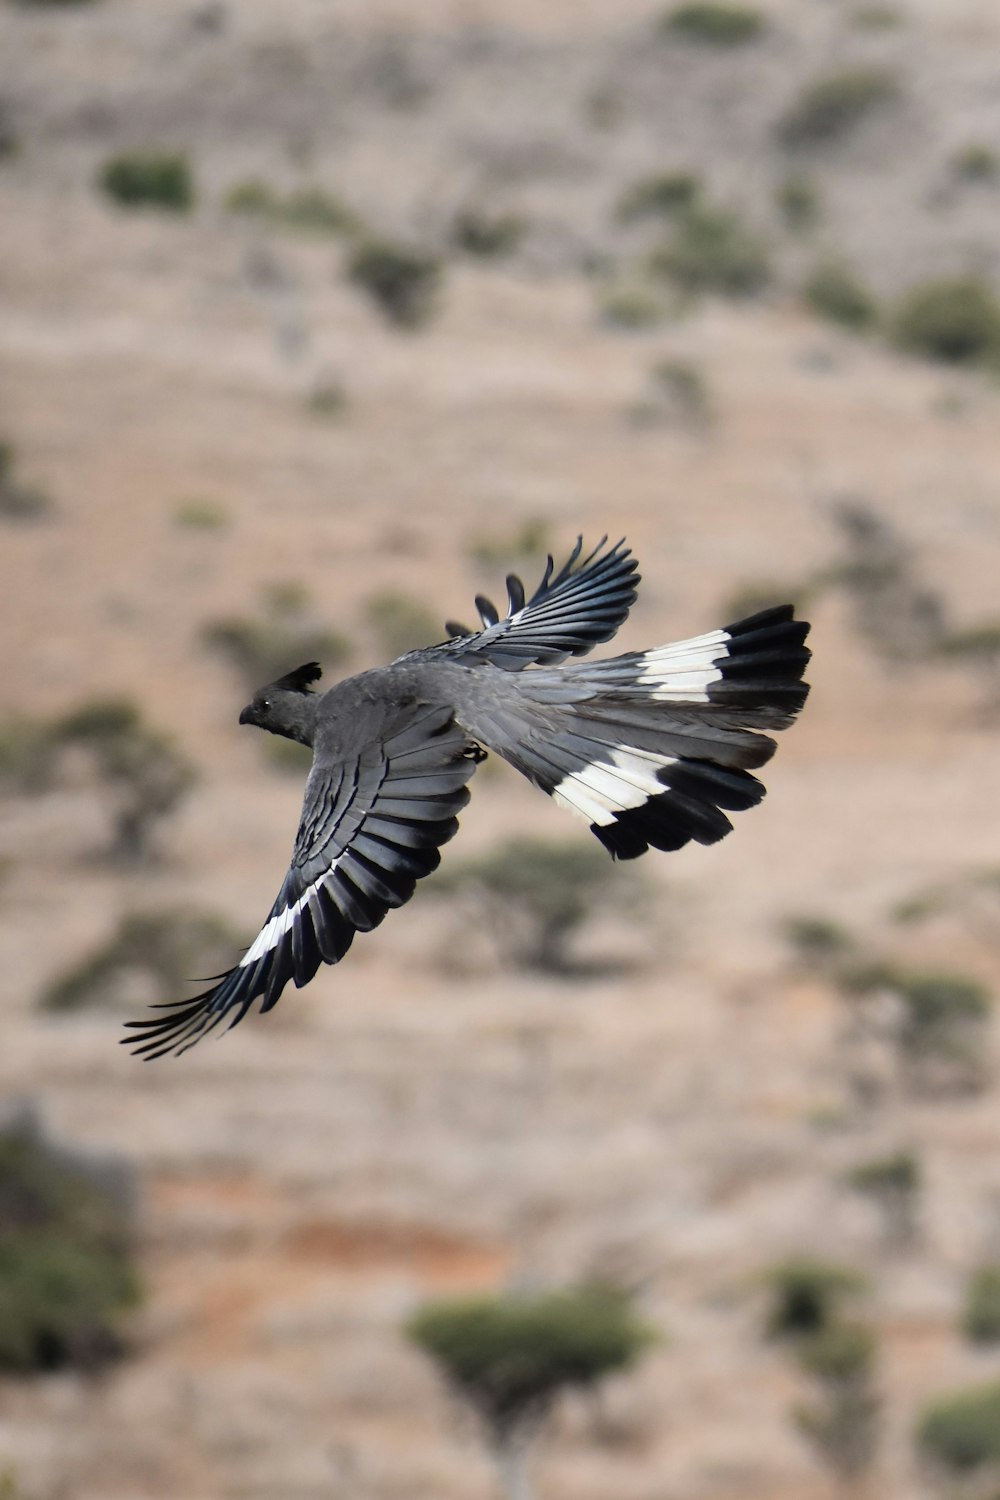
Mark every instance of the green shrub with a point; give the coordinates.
(799, 203)
(980, 642)
(981, 1313)
(537, 893)
(806, 1294)
(834, 291)
(328, 399)
(712, 250)
(201, 513)
(282, 634)
(401, 622)
(632, 305)
(28, 756)
(955, 319)
(170, 948)
(893, 1182)
(19, 501)
(525, 545)
(961, 1432)
(145, 775)
(681, 389)
(511, 1356)
(477, 232)
(816, 940)
(714, 23)
(831, 107)
(149, 179)
(837, 1353)
(66, 1272)
(310, 208)
(876, 17)
(843, 1425)
(402, 282)
(660, 195)
(976, 162)
(936, 1005)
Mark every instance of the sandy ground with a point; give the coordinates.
(422, 1119)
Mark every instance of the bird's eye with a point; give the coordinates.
(266, 705)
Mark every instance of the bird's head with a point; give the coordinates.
(286, 706)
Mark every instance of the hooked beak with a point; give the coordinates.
(246, 717)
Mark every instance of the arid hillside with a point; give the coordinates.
(315, 320)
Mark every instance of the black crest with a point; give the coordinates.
(298, 680)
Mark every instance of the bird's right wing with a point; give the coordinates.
(570, 611)
(371, 826)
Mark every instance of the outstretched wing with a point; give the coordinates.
(569, 613)
(371, 827)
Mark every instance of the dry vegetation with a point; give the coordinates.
(318, 320)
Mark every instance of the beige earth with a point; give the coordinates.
(424, 1120)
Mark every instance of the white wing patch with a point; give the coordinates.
(683, 671)
(273, 931)
(602, 790)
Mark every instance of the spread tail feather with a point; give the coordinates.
(655, 748)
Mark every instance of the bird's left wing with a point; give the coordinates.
(371, 826)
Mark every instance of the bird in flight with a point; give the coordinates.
(653, 748)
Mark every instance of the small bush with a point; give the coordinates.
(658, 196)
(832, 107)
(282, 634)
(961, 1432)
(402, 282)
(838, 1353)
(312, 208)
(511, 1356)
(806, 1295)
(981, 1313)
(145, 775)
(712, 250)
(632, 305)
(799, 203)
(537, 894)
(977, 642)
(876, 17)
(201, 513)
(936, 1005)
(19, 501)
(328, 399)
(834, 291)
(169, 948)
(680, 392)
(525, 545)
(151, 179)
(976, 162)
(28, 756)
(401, 622)
(816, 940)
(956, 319)
(486, 235)
(714, 23)
(893, 1183)
(66, 1272)
(843, 1425)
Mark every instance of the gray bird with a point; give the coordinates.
(650, 748)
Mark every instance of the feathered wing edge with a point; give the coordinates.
(570, 612)
(370, 830)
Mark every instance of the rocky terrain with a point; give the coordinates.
(217, 414)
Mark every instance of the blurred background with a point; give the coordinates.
(317, 319)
